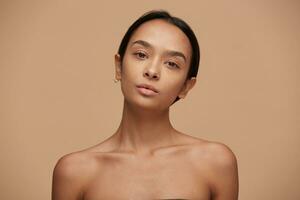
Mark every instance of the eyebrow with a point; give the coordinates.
(168, 52)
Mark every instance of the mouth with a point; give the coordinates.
(147, 89)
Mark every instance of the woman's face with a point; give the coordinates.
(157, 54)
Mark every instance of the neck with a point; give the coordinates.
(143, 130)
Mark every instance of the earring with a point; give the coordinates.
(115, 80)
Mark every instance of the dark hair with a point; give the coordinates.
(164, 15)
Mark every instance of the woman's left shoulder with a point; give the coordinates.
(211, 152)
(217, 164)
(217, 154)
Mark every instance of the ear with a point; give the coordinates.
(188, 85)
(118, 68)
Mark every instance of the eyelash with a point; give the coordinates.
(139, 53)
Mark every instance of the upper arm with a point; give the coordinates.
(67, 180)
(224, 178)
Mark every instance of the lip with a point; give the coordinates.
(147, 89)
(147, 86)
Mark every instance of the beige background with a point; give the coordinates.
(58, 96)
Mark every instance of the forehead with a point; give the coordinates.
(163, 36)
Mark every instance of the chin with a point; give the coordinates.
(147, 103)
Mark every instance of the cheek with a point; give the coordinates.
(130, 68)
(171, 88)
(130, 73)
(170, 92)
(174, 87)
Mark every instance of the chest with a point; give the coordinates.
(148, 181)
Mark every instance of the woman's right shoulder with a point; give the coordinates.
(71, 161)
(71, 174)
(76, 166)
(84, 162)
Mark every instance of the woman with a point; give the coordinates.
(146, 158)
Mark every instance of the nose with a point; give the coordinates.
(151, 73)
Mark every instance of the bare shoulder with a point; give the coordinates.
(219, 154)
(72, 163)
(218, 163)
(216, 153)
(71, 174)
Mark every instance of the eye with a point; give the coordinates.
(172, 64)
(140, 55)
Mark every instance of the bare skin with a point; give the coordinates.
(147, 158)
(191, 169)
